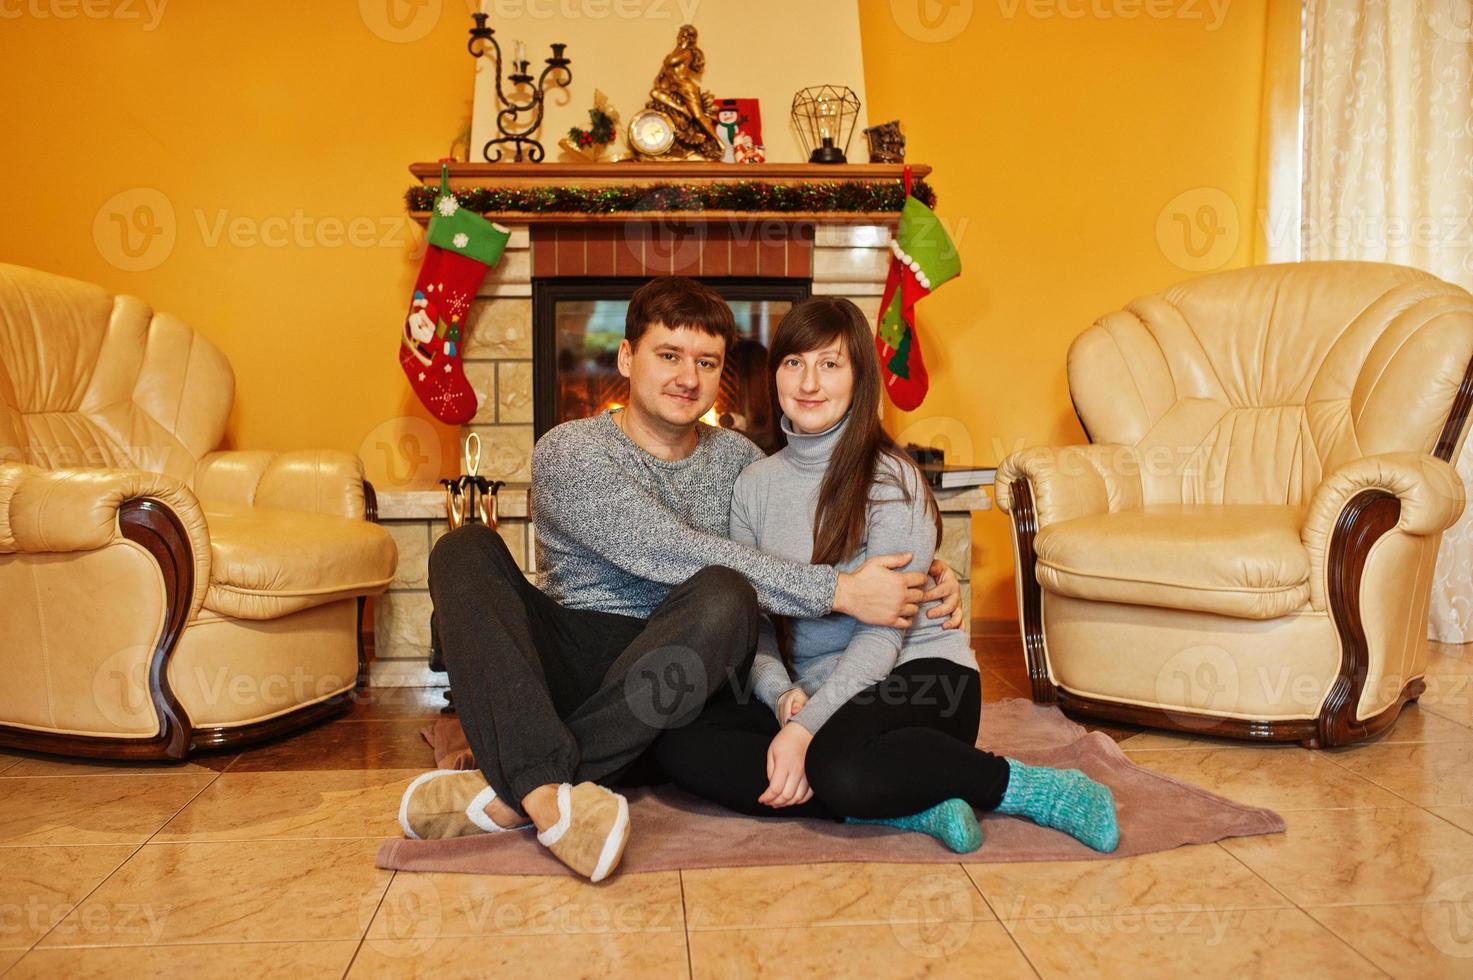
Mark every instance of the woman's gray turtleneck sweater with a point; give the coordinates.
(837, 656)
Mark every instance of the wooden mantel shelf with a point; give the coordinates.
(628, 173)
(464, 176)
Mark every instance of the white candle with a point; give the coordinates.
(521, 52)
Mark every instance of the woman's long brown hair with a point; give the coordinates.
(843, 500)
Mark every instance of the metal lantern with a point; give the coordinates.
(824, 116)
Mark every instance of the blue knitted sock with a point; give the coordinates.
(952, 822)
(1064, 799)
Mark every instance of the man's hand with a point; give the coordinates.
(878, 595)
(789, 705)
(949, 591)
(787, 783)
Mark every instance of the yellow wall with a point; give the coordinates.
(273, 130)
(1061, 134)
(1059, 141)
(618, 45)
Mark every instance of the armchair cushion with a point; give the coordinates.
(1244, 560)
(268, 563)
(316, 481)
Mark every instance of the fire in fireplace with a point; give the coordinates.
(578, 324)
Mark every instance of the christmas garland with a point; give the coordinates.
(741, 195)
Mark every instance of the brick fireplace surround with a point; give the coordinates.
(843, 254)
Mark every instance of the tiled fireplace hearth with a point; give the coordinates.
(842, 254)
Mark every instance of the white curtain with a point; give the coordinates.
(1388, 176)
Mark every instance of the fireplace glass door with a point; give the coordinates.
(579, 323)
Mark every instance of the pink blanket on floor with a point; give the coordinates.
(674, 830)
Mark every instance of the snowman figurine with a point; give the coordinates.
(728, 121)
(419, 328)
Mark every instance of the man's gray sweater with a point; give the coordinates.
(617, 528)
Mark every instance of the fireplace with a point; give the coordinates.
(577, 325)
(565, 278)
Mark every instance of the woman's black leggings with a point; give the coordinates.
(896, 748)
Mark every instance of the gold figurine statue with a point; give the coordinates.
(678, 98)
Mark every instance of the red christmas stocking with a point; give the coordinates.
(923, 257)
(462, 246)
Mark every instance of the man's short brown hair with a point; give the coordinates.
(678, 303)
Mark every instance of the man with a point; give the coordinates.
(649, 608)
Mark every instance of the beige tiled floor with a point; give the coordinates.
(261, 864)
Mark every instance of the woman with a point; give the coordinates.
(879, 725)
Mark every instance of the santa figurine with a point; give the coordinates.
(419, 329)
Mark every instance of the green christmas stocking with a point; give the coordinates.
(923, 257)
(462, 246)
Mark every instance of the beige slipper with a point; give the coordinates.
(448, 803)
(591, 831)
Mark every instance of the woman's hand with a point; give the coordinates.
(787, 783)
(789, 705)
(949, 591)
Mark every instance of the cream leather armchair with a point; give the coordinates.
(159, 597)
(1245, 548)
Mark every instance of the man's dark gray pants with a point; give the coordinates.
(548, 694)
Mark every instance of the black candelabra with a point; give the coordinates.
(508, 117)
